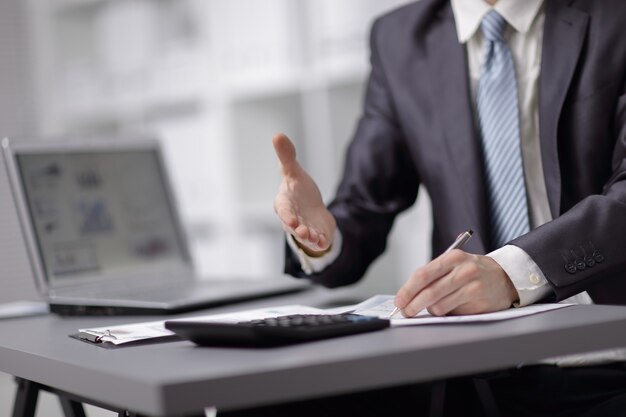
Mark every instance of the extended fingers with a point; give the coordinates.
(323, 243)
(288, 217)
(286, 152)
(311, 237)
(301, 233)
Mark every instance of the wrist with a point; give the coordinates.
(513, 294)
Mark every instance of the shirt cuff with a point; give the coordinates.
(313, 264)
(530, 283)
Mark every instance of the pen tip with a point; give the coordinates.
(471, 232)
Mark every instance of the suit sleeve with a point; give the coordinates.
(585, 248)
(379, 181)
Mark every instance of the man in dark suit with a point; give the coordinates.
(512, 114)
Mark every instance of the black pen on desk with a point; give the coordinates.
(458, 243)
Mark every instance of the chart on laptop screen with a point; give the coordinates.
(97, 213)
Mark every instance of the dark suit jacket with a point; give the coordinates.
(418, 127)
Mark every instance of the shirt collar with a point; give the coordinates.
(469, 13)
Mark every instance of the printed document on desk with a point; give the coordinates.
(378, 305)
(129, 333)
(382, 305)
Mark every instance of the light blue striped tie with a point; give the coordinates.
(498, 115)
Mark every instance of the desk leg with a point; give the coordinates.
(486, 397)
(27, 395)
(72, 408)
(25, 398)
(437, 398)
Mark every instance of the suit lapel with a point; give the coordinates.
(451, 94)
(565, 31)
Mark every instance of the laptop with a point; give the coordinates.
(104, 236)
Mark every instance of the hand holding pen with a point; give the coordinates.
(456, 282)
(457, 244)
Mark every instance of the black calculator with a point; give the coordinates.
(275, 331)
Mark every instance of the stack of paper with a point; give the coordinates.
(378, 306)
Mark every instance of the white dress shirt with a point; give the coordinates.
(524, 35)
(525, 39)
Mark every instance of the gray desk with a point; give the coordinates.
(177, 378)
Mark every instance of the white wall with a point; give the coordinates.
(17, 117)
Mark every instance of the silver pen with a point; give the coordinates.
(458, 243)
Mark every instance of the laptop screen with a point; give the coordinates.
(100, 214)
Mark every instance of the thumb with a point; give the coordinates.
(286, 152)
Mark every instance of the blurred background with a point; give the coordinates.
(213, 80)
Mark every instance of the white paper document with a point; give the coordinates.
(378, 305)
(127, 333)
(382, 305)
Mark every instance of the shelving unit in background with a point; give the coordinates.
(215, 80)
